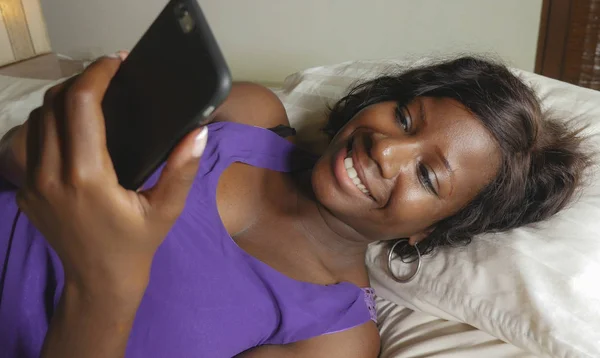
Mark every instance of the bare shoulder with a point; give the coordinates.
(358, 342)
(240, 189)
(252, 104)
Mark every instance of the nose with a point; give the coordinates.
(392, 154)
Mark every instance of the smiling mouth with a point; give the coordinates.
(353, 175)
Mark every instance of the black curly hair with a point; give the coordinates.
(542, 159)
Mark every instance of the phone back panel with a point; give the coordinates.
(166, 87)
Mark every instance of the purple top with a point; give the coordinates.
(206, 297)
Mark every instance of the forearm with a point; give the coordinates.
(10, 170)
(85, 326)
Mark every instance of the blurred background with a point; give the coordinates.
(265, 40)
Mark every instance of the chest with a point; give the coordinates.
(252, 204)
(204, 296)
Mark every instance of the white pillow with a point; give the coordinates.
(409, 334)
(535, 287)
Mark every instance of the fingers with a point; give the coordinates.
(50, 169)
(33, 145)
(68, 130)
(167, 198)
(43, 154)
(85, 135)
(13, 154)
(93, 82)
(123, 55)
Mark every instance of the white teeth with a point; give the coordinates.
(348, 163)
(352, 174)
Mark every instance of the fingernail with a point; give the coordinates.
(121, 55)
(200, 143)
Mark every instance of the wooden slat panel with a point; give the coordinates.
(47, 66)
(570, 49)
(583, 36)
(590, 58)
(17, 28)
(6, 52)
(542, 37)
(37, 26)
(576, 38)
(556, 38)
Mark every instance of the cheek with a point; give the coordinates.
(411, 214)
(319, 181)
(324, 185)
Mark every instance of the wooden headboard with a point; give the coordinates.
(43, 67)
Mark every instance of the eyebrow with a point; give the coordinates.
(444, 160)
(422, 117)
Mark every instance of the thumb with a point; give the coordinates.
(167, 197)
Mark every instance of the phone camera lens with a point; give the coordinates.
(186, 21)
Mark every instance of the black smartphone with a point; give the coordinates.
(170, 83)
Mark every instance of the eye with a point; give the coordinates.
(424, 175)
(403, 117)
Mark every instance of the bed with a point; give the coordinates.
(458, 306)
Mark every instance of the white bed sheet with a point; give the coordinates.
(18, 96)
(409, 334)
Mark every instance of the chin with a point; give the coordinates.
(328, 193)
(323, 184)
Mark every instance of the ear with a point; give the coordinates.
(416, 238)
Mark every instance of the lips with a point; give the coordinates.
(358, 173)
(353, 174)
(354, 168)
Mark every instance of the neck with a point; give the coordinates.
(336, 244)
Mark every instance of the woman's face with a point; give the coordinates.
(393, 172)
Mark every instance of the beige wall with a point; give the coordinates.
(268, 39)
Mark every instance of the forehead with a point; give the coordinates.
(463, 139)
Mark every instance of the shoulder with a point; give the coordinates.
(252, 104)
(358, 342)
(241, 187)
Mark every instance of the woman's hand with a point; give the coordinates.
(105, 236)
(102, 232)
(13, 148)
(12, 154)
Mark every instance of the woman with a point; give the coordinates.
(258, 251)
